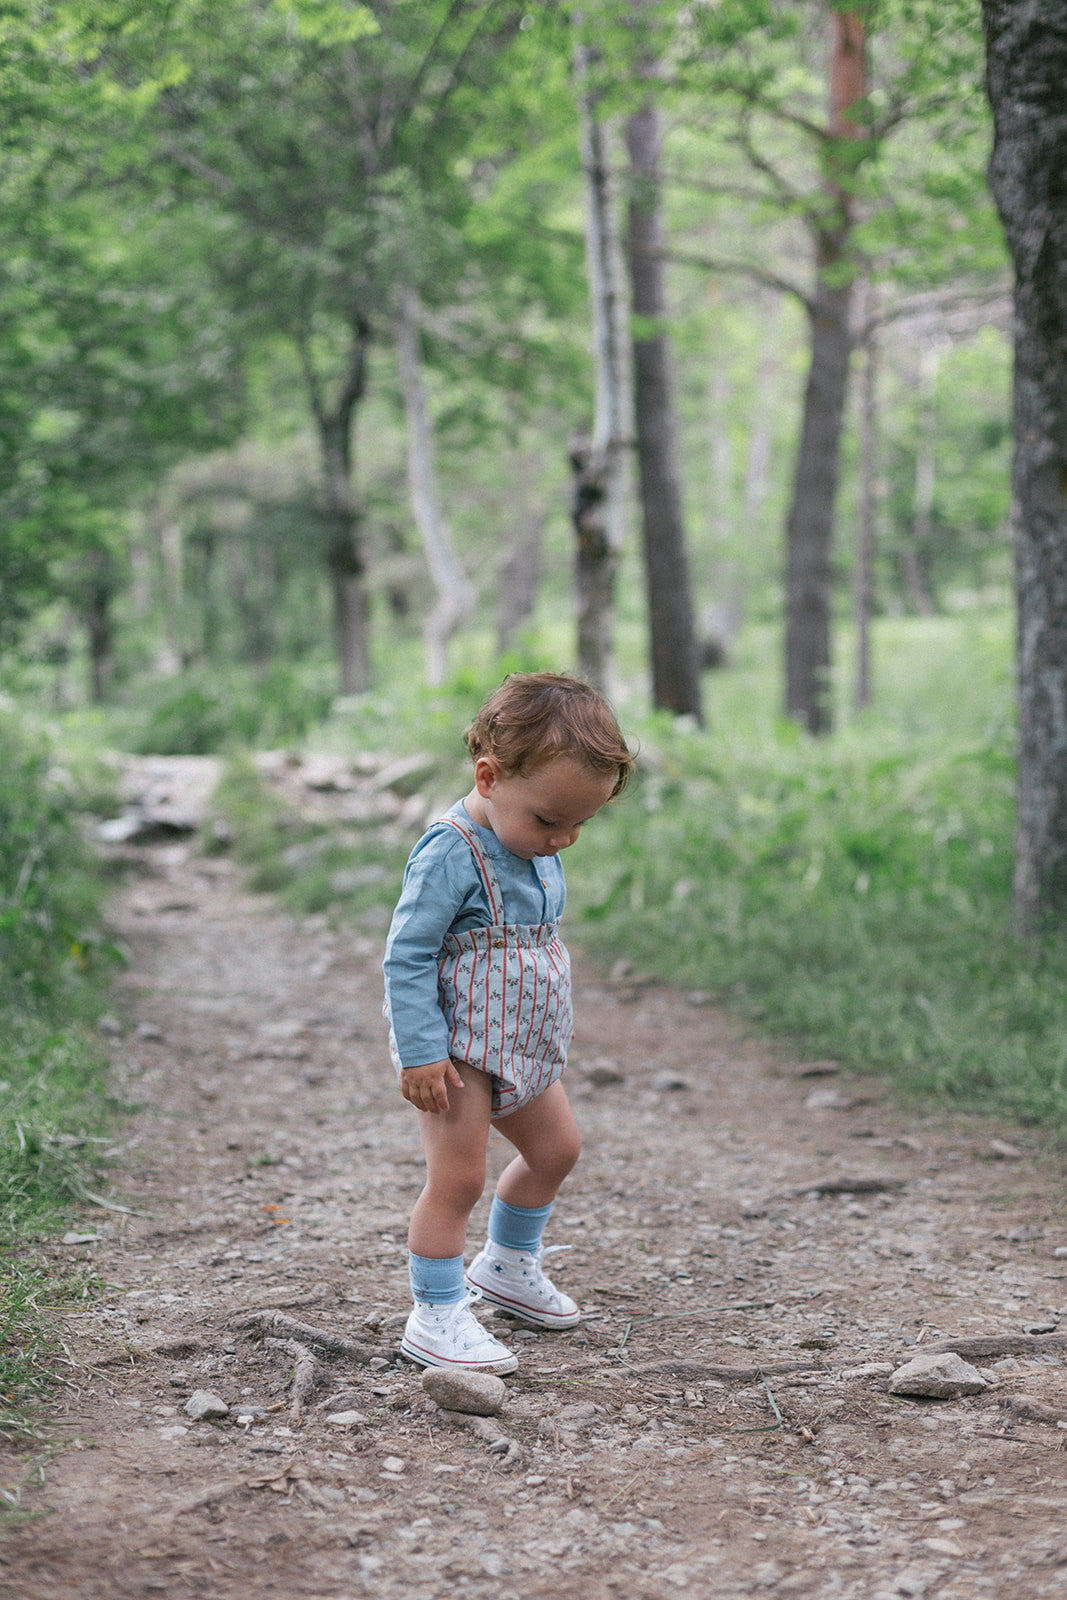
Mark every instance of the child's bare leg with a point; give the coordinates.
(507, 1272)
(546, 1137)
(454, 1142)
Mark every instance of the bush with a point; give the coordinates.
(203, 713)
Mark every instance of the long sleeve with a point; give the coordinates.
(443, 893)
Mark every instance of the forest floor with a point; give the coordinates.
(757, 1244)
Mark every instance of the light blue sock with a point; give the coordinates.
(517, 1227)
(436, 1280)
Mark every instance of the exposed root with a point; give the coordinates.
(306, 1373)
(286, 1327)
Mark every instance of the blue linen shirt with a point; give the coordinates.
(443, 893)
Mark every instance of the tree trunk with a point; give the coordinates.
(170, 657)
(675, 668)
(1026, 74)
(455, 593)
(518, 573)
(100, 590)
(810, 525)
(599, 462)
(518, 580)
(864, 580)
(342, 514)
(917, 553)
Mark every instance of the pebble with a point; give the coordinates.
(480, 1394)
(938, 1377)
(205, 1407)
(346, 1419)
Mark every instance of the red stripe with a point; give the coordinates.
(484, 869)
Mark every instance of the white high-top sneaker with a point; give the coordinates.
(513, 1280)
(452, 1336)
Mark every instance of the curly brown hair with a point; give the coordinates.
(536, 716)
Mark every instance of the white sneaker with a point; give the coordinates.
(452, 1336)
(513, 1280)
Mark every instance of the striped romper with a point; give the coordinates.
(505, 994)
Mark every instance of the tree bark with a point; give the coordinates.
(1026, 72)
(810, 524)
(917, 553)
(342, 514)
(863, 592)
(599, 461)
(170, 657)
(675, 666)
(100, 588)
(455, 593)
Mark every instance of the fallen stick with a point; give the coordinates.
(702, 1369)
(998, 1344)
(1027, 1409)
(306, 1372)
(286, 1327)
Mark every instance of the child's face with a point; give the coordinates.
(539, 813)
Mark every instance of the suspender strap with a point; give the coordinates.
(485, 869)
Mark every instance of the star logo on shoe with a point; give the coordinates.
(498, 1268)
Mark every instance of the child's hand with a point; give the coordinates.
(427, 1087)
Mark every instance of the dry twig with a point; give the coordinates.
(1028, 1409)
(306, 1373)
(999, 1344)
(286, 1327)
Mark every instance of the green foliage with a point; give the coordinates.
(854, 894)
(53, 1104)
(204, 712)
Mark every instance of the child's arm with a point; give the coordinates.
(427, 1087)
(439, 881)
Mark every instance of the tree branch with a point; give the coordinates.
(746, 269)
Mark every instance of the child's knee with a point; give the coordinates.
(462, 1187)
(561, 1157)
(570, 1151)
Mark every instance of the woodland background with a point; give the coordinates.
(354, 354)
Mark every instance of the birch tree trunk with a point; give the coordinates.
(599, 460)
(1026, 73)
(455, 593)
(675, 666)
(810, 525)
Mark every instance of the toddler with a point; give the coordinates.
(478, 997)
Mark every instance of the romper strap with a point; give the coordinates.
(485, 868)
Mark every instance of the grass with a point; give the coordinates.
(54, 1107)
(852, 894)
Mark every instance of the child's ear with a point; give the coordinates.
(486, 775)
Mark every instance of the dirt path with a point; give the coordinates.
(644, 1455)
